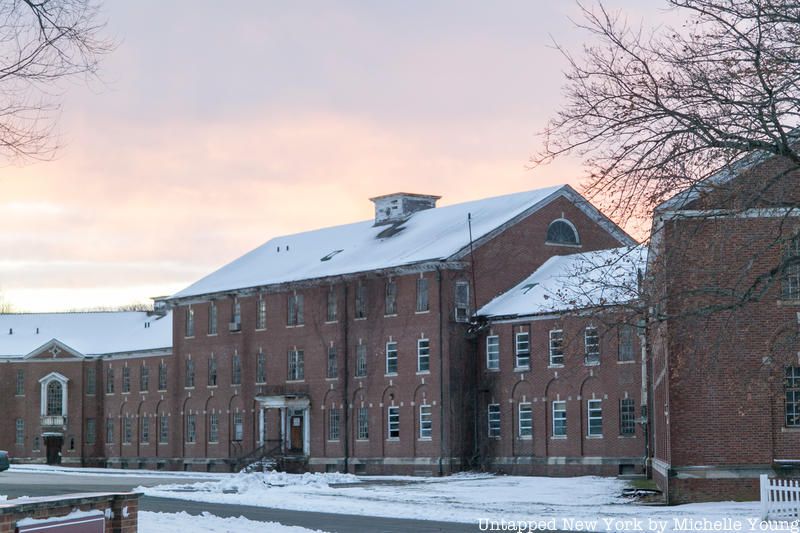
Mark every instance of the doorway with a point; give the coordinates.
(53, 444)
(296, 433)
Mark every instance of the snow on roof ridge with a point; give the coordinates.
(431, 234)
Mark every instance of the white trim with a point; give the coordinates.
(43, 383)
(774, 212)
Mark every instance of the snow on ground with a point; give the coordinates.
(591, 503)
(208, 523)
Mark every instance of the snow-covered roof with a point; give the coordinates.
(89, 334)
(570, 282)
(429, 235)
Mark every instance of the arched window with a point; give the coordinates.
(562, 231)
(54, 399)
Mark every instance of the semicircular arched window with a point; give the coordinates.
(55, 406)
(561, 231)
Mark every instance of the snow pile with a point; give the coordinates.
(255, 484)
(208, 523)
(85, 471)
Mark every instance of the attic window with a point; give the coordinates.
(330, 255)
(527, 288)
(562, 231)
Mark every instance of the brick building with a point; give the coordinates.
(560, 380)
(345, 348)
(724, 333)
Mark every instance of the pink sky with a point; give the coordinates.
(215, 129)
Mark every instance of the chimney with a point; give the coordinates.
(391, 208)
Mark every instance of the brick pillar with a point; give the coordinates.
(126, 514)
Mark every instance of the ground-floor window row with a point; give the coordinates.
(556, 423)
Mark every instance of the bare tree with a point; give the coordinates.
(657, 112)
(41, 43)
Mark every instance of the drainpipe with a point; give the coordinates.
(642, 330)
(345, 393)
(442, 316)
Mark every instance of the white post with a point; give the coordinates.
(764, 485)
(261, 426)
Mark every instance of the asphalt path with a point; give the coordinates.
(17, 484)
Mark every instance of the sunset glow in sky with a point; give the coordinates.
(217, 127)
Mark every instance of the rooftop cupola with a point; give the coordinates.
(394, 207)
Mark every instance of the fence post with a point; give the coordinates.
(764, 485)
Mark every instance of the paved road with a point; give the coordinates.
(16, 484)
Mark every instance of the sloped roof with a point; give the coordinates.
(89, 334)
(570, 282)
(429, 235)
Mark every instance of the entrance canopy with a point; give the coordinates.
(293, 401)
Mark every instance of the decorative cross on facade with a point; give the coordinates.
(55, 350)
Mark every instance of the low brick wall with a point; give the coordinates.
(120, 509)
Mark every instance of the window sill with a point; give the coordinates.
(785, 429)
(362, 440)
(236, 384)
(213, 442)
(126, 392)
(261, 383)
(626, 436)
(357, 319)
(295, 380)
(162, 390)
(556, 366)
(211, 334)
(566, 245)
(391, 375)
(261, 329)
(189, 388)
(188, 337)
(425, 312)
(788, 303)
(591, 363)
(292, 326)
(594, 437)
(423, 372)
(525, 437)
(393, 439)
(392, 315)
(522, 368)
(558, 437)
(626, 362)
(360, 377)
(331, 321)
(493, 370)
(332, 379)
(212, 386)
(494, 437)
(425, 439)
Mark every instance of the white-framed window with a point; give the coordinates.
(595, 414)
(363, 424)
(296, 367)
(212, 317)
(163, 429)
(91, 380)
(361, 300)
(425, 422)
(212, 371)
(522, 349)
(391, 297)
(191, 428)
(361, 360)
(790, 284)
(162, 376)
(91, 430)
(591, 342)
(391, 357)
(144, 378)
(493, 352)
(110, 380)
(556, 347)
(55, 398)
(126, 379)
(20, 432)
(189, 381)
(295, 310)
(626, 335)
(236, 315)
(333, 362)
(423, 355)
(393, 425)
(562, 231)
(144, 429)
(127, 429)
(525, 430)
(559, 418)
(236, 369)
(627, 416)
(189, 321)
(333, 423)
(213, 427)
(462, 301)
(261, 367)
(331, 305)
(792, 391)
(261, 312)
(422, 295)
(493, 420)
(238, 426)
(20, 388)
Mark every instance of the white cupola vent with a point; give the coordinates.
(398, 206)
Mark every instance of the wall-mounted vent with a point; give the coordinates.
(399, 206)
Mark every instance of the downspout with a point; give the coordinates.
(346, 394)
(642, 327)
(441, 373)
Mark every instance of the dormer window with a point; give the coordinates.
(562, 231)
